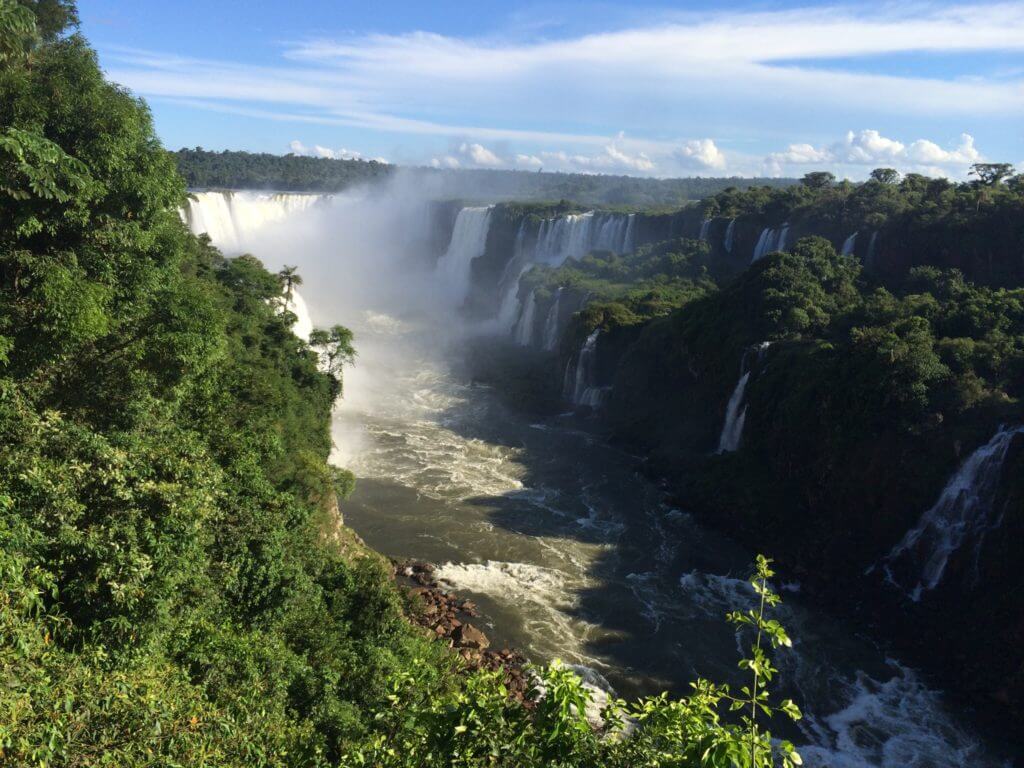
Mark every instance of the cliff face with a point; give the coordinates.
(830, 497)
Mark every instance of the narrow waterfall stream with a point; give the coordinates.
(569, 551)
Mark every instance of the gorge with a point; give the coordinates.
(569, 545)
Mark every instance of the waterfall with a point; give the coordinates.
(524, 329)
(770, 241)
(558, 240)
(233, 219)
(578, 382)
(966, 508)
(848, 245)
(575, 235)
(469, 239)
(704, 227)
(730, 234)
(735, 417)
(629, 241)
(762, 245)
(551, 324)
(736, 411)
(780, 243)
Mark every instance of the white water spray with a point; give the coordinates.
(965, 509)
(469, 239)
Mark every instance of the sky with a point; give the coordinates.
(677, 89)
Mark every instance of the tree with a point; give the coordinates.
(335, 351)
(990, 174)
(53, 17)
(886, 175)
(289, 278)
(818, 179)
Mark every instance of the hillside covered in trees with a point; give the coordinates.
(859, 367)
(293, 173)
(177, 587)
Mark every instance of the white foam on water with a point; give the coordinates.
(545, 598)
(898, 723)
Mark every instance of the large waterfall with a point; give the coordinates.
(849, 244)
(730, 235)
(705, 227)
(469, 239)
(965, 509)
(770, 241)
(576, 235)
(736, 411)
(233, 219)
(556, 241)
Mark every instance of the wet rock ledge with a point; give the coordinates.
(447, 617)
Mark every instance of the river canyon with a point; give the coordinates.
(569, 549)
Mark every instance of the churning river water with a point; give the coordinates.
(572, 554)
(568, 550)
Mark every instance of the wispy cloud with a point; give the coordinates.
(564, 101)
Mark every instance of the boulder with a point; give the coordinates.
(468, 636)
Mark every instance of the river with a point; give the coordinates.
(569, 551)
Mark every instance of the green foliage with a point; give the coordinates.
(476, 725)
(170, 596)
(293, 173)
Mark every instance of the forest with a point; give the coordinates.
(203, 169)
(178, 589)
(863, 382)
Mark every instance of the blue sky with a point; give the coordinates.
(690, 88)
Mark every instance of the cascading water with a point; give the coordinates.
(736, 411)
(730, 235)
(551, 324)
(735, 416)
(524, 329)
(469, 239)
(558, 240)
(578, 384)
(234, 219)
(849, 244)
(575, 235)
(965, 509)
(780, 244)
(770, 241)
(705, 226)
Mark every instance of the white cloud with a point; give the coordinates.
(480, 155)
(529, 161)
(298, 148)
(446, 161)
(399, 82)
(869, 149)
(701, 154)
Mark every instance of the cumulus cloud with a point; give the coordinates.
(701, 154)
(613, 157)
(481, 155)
(869, 148)
(298, 148)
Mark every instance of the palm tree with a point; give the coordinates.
(289, 277)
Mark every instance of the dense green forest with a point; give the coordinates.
(869, 385)
(293, 173)
(177, 587)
